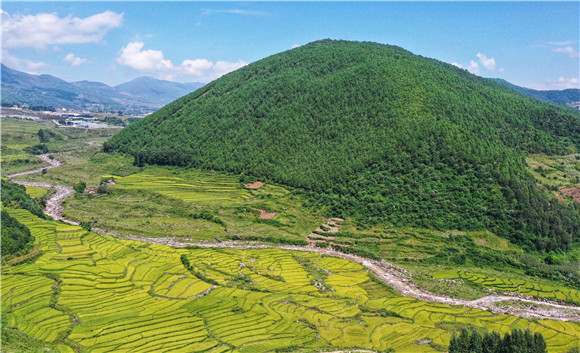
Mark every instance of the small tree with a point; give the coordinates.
(454, 343)
(475, 342)
(539, 343)
(42, 136)
(464, 340)
(86, 226)
(491, 342)
(80, 187)
(102, 189)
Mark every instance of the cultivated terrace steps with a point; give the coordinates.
(325, 234)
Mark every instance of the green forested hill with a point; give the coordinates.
(376, 133)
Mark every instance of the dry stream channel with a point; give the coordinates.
(519, 305)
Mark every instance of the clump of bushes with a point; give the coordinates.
(471, 341)
(36, 149)
(208, 217)
(80, 187)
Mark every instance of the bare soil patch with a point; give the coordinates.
(255, 185)
(264, 214)
(24, 257)
(574, 192)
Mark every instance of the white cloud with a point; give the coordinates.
(485, 62)
(153, 62)
(25, 65)
(295, 46)
(473, 67)
(567, 50)
(488, 63)
(44, 29)
(143, 60)
(74, 60)
(558, 84)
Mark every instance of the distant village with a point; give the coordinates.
(69, 117)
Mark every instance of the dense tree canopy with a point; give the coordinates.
(15, 196)
(16, 237)
(376, 133)
(518, 341)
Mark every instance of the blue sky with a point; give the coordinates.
(533, 44)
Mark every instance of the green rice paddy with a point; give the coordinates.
(94, 293)
(193, 186)
(34, 191)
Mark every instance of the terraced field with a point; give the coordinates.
(167, 202)
(34, 191)
(550, 292)
(89, 292)
(195, 186)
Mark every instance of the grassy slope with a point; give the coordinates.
(18, 134)
(163, 201)
(556, 173)
(68, 143)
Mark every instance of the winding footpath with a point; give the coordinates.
(54, 202)
(525, 307)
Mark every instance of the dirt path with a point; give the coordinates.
(53, 204)
(386, 272)
(24, 257)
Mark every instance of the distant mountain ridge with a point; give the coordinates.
(144, 93)
(555, 96)
(158, 91)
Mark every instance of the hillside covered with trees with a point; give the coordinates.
(373, 132)
(16, 237)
